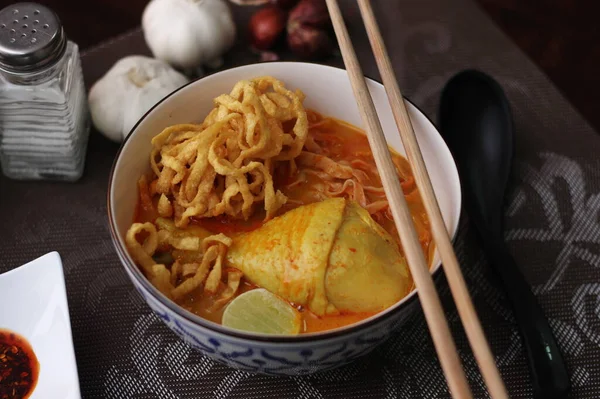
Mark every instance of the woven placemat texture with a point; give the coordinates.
(552, 228)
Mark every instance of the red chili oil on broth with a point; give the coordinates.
(340, 141)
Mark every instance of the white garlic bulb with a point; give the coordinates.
(127, 91)
(188, 33)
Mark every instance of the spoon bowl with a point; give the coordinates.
(477, 125)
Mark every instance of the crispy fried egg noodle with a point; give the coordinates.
(224, 165)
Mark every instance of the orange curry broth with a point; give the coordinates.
(340, 141)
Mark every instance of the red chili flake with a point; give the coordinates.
(19, 367)
(353, 249)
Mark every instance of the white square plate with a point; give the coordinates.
(33, 303)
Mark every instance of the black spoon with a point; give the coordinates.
(476, 122)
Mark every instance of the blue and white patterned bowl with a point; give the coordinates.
(328, 91)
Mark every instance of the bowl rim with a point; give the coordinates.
(135, 271)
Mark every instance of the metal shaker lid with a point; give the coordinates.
(31, 38)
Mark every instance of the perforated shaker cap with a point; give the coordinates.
(31, 38)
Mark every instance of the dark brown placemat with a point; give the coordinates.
(124, 351)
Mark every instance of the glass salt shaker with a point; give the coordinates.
(44, 117)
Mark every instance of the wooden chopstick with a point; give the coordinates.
(459, 290)
(430, 301)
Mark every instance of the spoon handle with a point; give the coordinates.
(549, 375)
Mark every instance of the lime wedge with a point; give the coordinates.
(261, 311)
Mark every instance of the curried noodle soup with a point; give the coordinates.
(264, 193)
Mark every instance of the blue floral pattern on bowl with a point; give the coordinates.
(289, 358)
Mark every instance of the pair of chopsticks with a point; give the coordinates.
(430, 301)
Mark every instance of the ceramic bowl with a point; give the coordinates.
(328, 91)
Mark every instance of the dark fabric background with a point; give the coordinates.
(560, 36)
(124, 351)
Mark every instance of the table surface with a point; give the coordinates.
(551, 220)
(560, 36)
